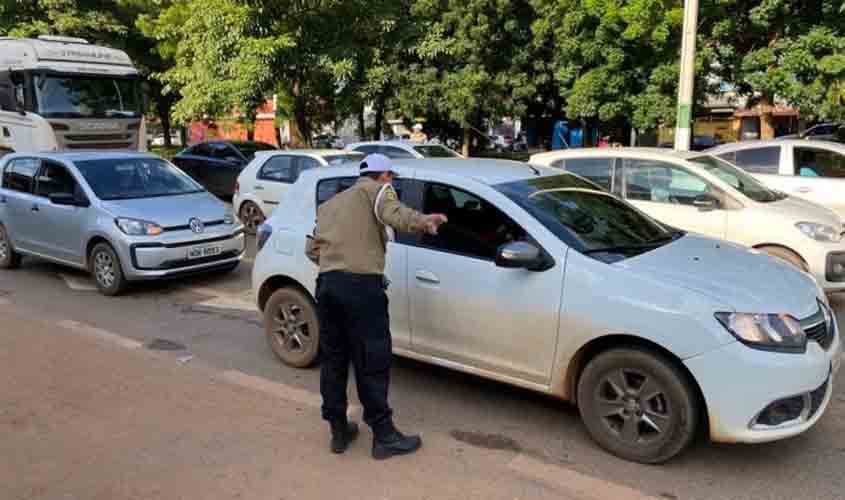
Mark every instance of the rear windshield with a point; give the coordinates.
(343, 158)
(248, 149)
(132, 178)
(435, 151)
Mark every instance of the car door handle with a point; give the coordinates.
(427, 277)
(35, 208)
(2, 199)
(803, 189)
(259, 188)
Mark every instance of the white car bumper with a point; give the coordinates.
(739, 383)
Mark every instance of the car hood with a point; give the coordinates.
(169, 211)
(744, 279)
(800, 210)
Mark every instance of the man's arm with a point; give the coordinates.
(404, 219)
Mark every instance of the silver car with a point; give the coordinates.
(123, 216)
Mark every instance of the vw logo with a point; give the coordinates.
(196, 225)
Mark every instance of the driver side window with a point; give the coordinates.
(476, 228)
(55, 179)
(660, 182)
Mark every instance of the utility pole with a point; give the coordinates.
(683, 128)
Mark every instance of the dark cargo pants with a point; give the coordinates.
(354, 327)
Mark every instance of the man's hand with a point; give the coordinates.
(433, 223)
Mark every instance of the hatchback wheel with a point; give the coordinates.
(251, 216)
(105, 266)
(292, 328)
(637, 405)
(9, 259)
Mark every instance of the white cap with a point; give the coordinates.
(376, 164)
(418, 126)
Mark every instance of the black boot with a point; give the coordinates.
(343, 433)
(391, 442)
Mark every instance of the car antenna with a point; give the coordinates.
(534, 169)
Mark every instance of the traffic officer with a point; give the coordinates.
(349, 246)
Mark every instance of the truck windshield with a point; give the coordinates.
(72, 96)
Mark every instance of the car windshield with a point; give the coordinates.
(738, 179)
(435, 151)
(595, 223)
(343, 158)
(132, 178)
(248, 149)
(87, 97)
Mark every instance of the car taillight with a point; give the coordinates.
(237, 187)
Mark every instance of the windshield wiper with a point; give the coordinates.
(646, 245)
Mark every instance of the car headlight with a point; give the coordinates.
(769, 332)
(135, 227)
(820, 232)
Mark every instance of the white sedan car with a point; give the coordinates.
(404, 149)
(712, 197)
(813, 170)
(263, 183)
(543, 281)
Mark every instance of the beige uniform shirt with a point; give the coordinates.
(353, 228)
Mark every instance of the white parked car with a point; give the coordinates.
(712, 197)
(543, 281)
(813, 170)
(266, 179)
(404, 149)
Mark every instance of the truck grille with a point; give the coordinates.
(104, 137)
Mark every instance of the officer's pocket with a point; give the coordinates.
(377, 354)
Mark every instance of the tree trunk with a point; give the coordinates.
(379, 117)
(767, 126)
(300, 128)
(165, 128)
(467, 138)
(362, 124)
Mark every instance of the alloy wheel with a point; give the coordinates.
(4, 246)
(291, 328)
(104, 269)
(251, 217)
(633, 406)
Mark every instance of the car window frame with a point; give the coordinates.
(385, 148)
(613, 168)
(779, 155)
(11, 164)
(419, 239)
(796, 172)
(77, 188)
(720, 194)
(260, 176)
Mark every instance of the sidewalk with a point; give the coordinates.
(89, 418)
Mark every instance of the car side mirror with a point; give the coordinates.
(68, 199)
(706, 202)
(519, 255)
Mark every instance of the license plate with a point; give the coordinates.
(207, 251)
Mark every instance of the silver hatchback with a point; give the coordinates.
(122, 216)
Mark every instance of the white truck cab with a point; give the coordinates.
(59, 93)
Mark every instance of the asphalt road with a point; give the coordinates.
(214, 318)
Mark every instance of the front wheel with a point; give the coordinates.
(637, 405)
(105, 266)
(292, 328)
(251, 216)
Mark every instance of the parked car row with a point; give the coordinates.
(551, 282)
(601, 277)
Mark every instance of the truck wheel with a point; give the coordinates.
(105, 266)
(9, 259)
(637, 405)
(292, 327)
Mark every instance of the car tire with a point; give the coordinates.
(105, 267)
(9, 258)
(292, 327)
(787, 255)
(638, 405)
(251, 217)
